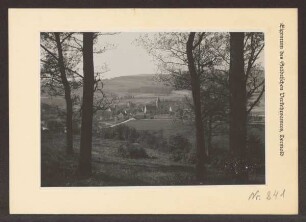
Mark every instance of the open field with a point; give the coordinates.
(171, 127)
(168, 126)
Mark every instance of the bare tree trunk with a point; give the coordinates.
(196, 95)
(67, 89)
(87, 107)
(238, 114)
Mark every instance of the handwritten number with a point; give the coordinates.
(283, 193)
(269, 195)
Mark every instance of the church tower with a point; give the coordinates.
(157, 102)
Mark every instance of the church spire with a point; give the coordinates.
(157, 102)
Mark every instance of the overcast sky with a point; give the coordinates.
(126, 58)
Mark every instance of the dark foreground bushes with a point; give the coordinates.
(253, 162)
(177, 145)
(132, 150)
(152, 140)
(121, 132)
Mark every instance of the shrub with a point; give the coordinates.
(218, 157)
(252, 162)
(162, 145)
(179, 147)
(76, 128)
(132, 135)
(256, 153)
(147, 138)
(153, 140)
(121, 132)
(132, 150)
(55, 125)
(192, 156)
(108, 133)
(255, 149)
(237, 166)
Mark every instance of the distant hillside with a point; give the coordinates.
(144, 88)
(136, 84)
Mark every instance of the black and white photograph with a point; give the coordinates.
(152, 108)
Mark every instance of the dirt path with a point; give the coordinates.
(117, 124)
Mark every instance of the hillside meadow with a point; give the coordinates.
(112, 169)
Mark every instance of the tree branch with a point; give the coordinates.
(48, 51)
(256, 101)
(259, 51)
(66, 37)
(199, 41)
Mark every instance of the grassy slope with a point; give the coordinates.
(110, 169)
